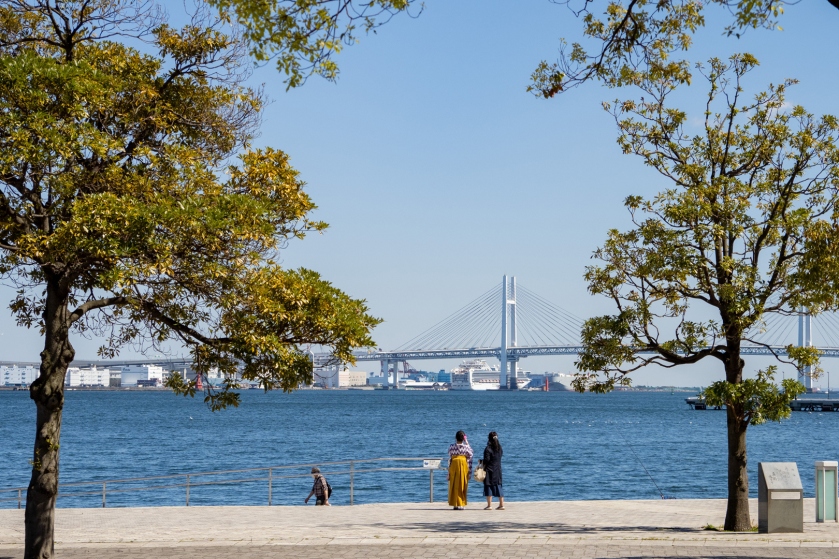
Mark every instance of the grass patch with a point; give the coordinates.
(712, 528)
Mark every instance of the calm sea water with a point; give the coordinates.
(556, 445)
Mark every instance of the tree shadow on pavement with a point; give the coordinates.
(699, 555)
(529, 528)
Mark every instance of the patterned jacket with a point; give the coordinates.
(462, 449)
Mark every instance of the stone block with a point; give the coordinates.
(780, 498)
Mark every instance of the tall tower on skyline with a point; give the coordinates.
(508, 326)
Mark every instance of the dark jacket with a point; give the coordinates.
(492, 465)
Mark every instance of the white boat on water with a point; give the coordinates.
(477, 374)
(560, 382)
(410, 384)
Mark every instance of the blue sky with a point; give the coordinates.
(438, 173)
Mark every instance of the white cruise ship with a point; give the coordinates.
(477, 374)
(560, 382)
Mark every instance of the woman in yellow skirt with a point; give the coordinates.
(460, 470)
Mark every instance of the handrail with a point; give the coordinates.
(189, 483)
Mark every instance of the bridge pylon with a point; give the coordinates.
(805, 339)
(391, 375)
(508, 322)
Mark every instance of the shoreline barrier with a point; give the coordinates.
(191, 480)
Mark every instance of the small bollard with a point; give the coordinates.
(352, 482)
(431, 465)
(827, 491)
(270, 484)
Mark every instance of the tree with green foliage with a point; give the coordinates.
(639, 38)
(302, 36)
(748, 229)
(133, 207)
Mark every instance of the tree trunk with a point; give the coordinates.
(48, 393)
(737, 512)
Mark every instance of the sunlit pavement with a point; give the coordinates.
(672, 528)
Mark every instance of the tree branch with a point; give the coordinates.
(182, 329)
(96, 304)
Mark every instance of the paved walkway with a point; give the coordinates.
(584, 529)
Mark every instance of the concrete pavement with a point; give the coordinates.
(585, 529)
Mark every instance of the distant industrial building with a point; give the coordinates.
(91, 376)
(213, 375)
(332, 377)
(352, 378)
(151, 383)
(142, 375)
(17, 376)
(119, 376)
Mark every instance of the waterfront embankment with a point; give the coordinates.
(662, 528)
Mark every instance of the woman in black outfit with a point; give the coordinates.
(492, 466)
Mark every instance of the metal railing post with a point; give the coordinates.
(250, 475)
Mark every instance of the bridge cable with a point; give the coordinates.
(529, 337)
(471, 335)
(467, 333)
(448, 324)
(833, 326)
(765, 333)
(827, 329)
(832, 321)
(542, 323)
(483, 325)
(536, 296)
(458, 335)
(490, 332)
(784, 333)
(549, 316)
(539, 328)
(568, 325)
(780, 332)
(524, 324)
(523, 330)
(441, 339)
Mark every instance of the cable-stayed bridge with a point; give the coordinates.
(510, 322)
